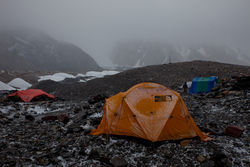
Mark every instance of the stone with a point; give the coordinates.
(201, 158)
(49, 118)
(63, 118)
(226, 92)
(29, 117)
(234, 131)
(118, 162)
(184, 143)
(235, 93)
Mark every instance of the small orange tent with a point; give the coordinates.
(150, 111)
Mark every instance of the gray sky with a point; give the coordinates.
(96, 25)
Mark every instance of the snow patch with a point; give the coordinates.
(19, 83)
(97, 74)
(81, 80)
(56, 77)
(88, 76)
(96, 115)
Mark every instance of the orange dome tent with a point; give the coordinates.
(150, 111)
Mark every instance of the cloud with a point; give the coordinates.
(96, 25)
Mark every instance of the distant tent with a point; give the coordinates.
(4, 86)
(29, 94)
(150, 111)
(19, 83)
(203, 84)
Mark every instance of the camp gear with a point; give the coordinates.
(150, 111)
(203, 84)
(29, 94)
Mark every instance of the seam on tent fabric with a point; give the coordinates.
(131, 108)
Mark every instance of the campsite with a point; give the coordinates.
(57, 132)
(124, 83)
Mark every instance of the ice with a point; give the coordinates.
(89, 75)
(4, 86)
(81, 80)
(56, 77)
(100, 74)
(95, 74)
(19, 83)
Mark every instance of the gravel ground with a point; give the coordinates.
(170, 75)
(56, 133)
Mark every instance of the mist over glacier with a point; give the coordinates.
(97, 26)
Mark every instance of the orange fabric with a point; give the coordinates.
(29, 94)
(137, 113)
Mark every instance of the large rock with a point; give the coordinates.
(234, 131)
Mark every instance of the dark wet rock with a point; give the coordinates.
(241, 82)
(86, 106)
(50, 118)
(219, 158)
(118, 162)
(63, 118)
(94, 154)
(80, 116)
(207, 163)
(234, 131)
(97, 98)
(74, 128)
(77, 110)
(29, 117)
(3, 145)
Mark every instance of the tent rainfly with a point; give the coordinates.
(150, 111)
(29, 94)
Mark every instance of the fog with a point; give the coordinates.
(97, 25)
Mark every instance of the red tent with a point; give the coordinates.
(29, 94)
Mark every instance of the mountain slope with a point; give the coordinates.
(136, 54)
(33, 50)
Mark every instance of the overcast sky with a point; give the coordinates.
(96, 25)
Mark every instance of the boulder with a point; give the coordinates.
(234, 131)
(118, 162)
